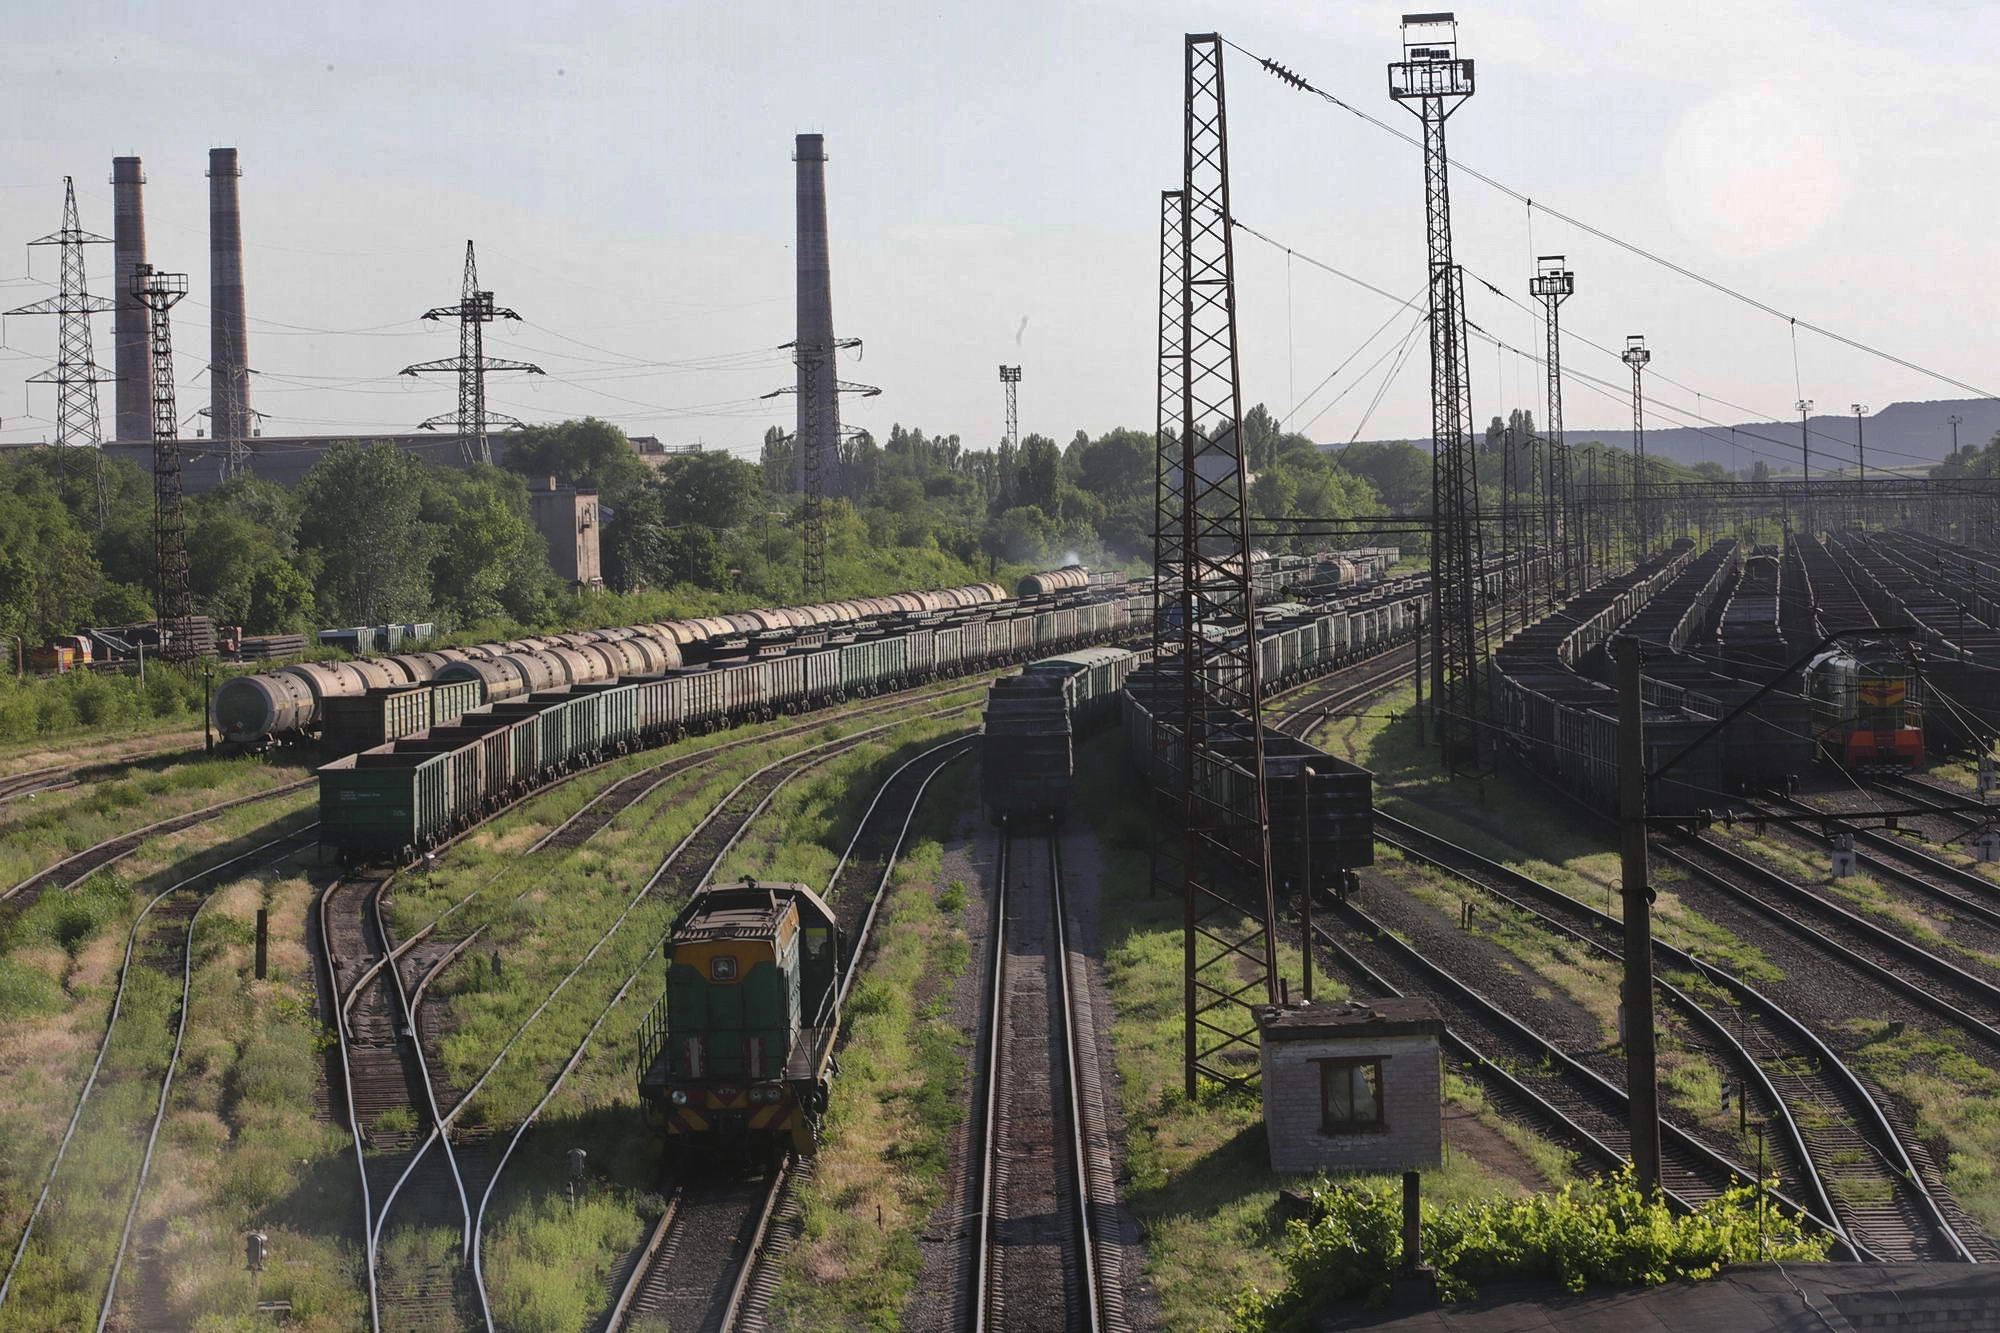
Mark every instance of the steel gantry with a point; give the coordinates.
(1433, 81)
(1230, 939)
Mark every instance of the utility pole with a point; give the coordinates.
(1011, 377)
(75, 373)
(1229, 936)
(474, 311)
(1637, 357)
(1553, 284)
(1434, 81)
(173, 601)
(1641, 1074)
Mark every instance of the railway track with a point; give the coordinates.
(710, 1260)
(387, 1071)
(1037, 1252)
(1833, 1134)
(161, 939)
(78, 866)
(55, 777)
(1338, 692)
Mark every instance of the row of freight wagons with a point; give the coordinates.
(1032, 721)
(409, 794)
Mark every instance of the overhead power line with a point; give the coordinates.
(1286, 76)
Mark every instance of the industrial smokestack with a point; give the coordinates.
(819, 404)
(228, 338)
(128, 318)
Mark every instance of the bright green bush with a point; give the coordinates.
(1594, 1233)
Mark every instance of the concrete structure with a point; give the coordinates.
(132, 351)
(1352, 1087)
(818, 428)
(228, 328)
(568, 520)
(284, 459)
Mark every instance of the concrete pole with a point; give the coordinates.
(1641, 1074)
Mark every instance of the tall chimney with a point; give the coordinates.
(228, 339)
(129, 334)
(819, 404)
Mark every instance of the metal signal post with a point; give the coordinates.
(1434, 81)
(1230, 927)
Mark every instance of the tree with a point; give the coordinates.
(588, 454)
(361, 508)
(489, 559)
(281, 601)
(716, 489)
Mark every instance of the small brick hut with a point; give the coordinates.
(1355, 1086)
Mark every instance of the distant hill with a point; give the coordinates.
(1900, 436)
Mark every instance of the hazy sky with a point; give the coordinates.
(993, 191)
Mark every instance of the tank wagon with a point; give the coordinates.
(1033, 721)
(738, 1053)
(254, 711)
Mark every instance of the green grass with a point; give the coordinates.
(883, 1170)
(1200, 1182)
(554, 1283)
(1956, 1099)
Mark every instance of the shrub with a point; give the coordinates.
(1600, 1232)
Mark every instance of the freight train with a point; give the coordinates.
(1033, 721)
(396, 800)
(739, 1050)
(394, 695)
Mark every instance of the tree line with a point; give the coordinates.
(373, 535)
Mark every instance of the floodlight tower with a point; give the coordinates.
(1805, 462)
(1637, 357)
(1011, 377)
(159, 293)
(1433, 81)
(1553, 284)
(1861, 461)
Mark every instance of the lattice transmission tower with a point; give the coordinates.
(474, 311)
(1637, 357)
(1010, 376)
(1230, 936)
(173, 601)
(75, 374)
(1553, 284)
(818, 463)
(1434, 82)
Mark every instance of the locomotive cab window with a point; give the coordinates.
(1350, 1096)
(722, 967)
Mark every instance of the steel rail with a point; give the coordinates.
(104, 1047)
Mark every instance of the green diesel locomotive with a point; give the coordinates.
(739, 1051)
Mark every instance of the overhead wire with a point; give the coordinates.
(1299, 82)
